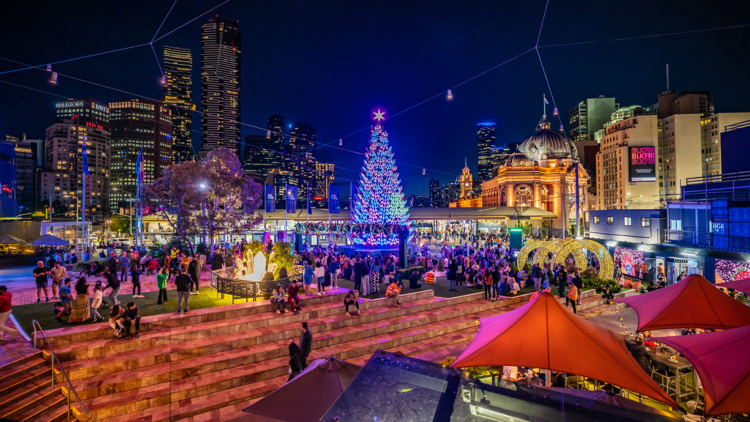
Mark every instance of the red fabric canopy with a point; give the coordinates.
(723, 366)
(543, 334)
(741, 285)
(692, 303)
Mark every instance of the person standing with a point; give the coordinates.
(333, 267)
(305, 343)
(182, 282)
(452, 274)
(572, 296)
(40, 273)
(537, 271)
(320, 273)
(97, 302)
(135, 273)
(489, 291)
(194, 270)
(295, 361)
(81, 308)
(308, 275)
(161, 283)
(57, 273)
(66, 296)
(124, 266)
(6, 305)
(579, 286)
(112, 263)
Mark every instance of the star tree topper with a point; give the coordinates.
(379, 115)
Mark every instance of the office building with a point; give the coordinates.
(712, 128)
(589, 116)
(324, 177)
(220, 85)
(28, 162)
(679, 151)
(8, 201)
(421, 201)
(620, 114)
(449, 193)
(736, 138)
(434, 193)
(178, 92)
(62, 178)
(485, 141)
(615, 187)
(299, 161)
(265, 152)
(673, 102)
(137, 125)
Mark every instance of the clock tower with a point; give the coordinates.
(466, 180)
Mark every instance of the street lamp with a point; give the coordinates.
(54, 195)
(202, 186)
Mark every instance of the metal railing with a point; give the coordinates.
(36, 325)
(681, 236)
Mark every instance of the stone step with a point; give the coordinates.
(190, 388)
(19, 409)
(12, 370)
(83, 333)
(165, 336)
(180, 363)
(50, 408)
(25, 381)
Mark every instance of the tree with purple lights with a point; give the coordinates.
(379, 200)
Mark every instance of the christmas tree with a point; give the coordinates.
(379, 201)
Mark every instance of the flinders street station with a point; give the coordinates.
(541, 174)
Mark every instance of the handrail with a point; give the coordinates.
(35, 324)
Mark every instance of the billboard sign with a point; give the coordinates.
(642, 164)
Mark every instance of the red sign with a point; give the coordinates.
(89, 124)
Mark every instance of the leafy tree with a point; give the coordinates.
(120, 224)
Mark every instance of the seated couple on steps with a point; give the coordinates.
(292, 300)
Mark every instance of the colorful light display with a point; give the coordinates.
(727, 270)
(379, 201)
(630, 260)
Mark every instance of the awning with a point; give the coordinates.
(308, 396)
(49, 240)
(691, 303)
(741, 285)
(722, 363)
(544, 334)
(12, 240)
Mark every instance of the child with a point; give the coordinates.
(97, 303)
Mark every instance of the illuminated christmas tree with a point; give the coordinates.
(379, 201)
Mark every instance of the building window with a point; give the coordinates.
(675, 224)
(645, 222)
(596, 219)
(627, 221)
(610, 221)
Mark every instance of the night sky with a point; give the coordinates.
(330, 63)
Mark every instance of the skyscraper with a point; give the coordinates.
(137, 124)
(485, 140)
(29, 158)
(178, 91)
(264, 152)
(220, 85)
(300, 159)
(434, 193)
(590, 116)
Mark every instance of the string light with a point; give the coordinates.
(268, 134)
(53, 78)
(341, 142)
(450, 95)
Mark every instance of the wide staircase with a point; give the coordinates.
(28, 394)
(211, 363)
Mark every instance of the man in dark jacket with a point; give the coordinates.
(641, 354)
(112, 264)
(218, 261)
(194, 269)
(132, 314)
(305, 343)
(113, 283)
(452, 274)
(183, 282)
(537, 273)
(579, 284)
(360, 270)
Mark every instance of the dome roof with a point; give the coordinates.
(546, 143)
(518, 160)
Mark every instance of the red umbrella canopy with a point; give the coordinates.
(723, 366)
(692, 303)
(544, 334)
(741, 285)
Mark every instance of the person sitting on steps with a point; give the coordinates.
(351, 299)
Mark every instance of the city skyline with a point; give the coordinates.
(296, 91)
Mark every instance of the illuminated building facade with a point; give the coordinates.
(264, 152)
(324, 177)
(178, 91)
(300, 159)
(485, 141)
(434, 193)
(137, 124)
(220, 85)
(64, 162)
(29, 161)
(542, 175)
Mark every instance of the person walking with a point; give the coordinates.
(114, 283)
(41, 274)
(305, 343)
(161, 283)
(295, 361)
(124, 266)
(135, 275)
(579, 286)
(572, 296)
(97, 302)
(6, 306)
(58, 274)
(182, 282)
(81, 308)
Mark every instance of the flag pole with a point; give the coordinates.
(329, 213)
(308, 202)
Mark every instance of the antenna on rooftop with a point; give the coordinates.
(667, 76)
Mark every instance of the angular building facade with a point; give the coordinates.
(178, 92)
(485, 141)
(264, 152)
(589, 116)
(220, 85)
(137, 125)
